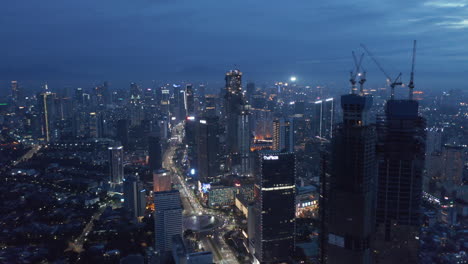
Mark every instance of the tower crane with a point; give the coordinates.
(411, 82)
(354, 74)
(393, 83)
(362, 75)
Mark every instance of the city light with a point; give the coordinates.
(293, 78)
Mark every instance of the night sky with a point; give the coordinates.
(142, 40)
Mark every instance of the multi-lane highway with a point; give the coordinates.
(215, 243)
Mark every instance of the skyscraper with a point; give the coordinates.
(79, 96)
(162, 180)
(275, 207)
(276, 134)
(233, 101)
(189, 100)
(283, 135)
(208, 149)
(48, 115)
(116, 169)
(134, 196)
(167, 219)
(323, 118)
(453, 160)
(401, 152)
(210, 105)
(154, 152)
(351, 201)
(136, 105)
(244, 141)
(15, 93)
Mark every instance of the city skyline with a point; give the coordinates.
(249, 132)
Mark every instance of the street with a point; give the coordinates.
(222, 253)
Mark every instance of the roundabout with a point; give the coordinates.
(201, 223)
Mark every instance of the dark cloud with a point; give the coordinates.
(268, 40)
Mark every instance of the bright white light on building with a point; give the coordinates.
(192, 171)
(293, 78)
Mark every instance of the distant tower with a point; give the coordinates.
(136, 105)
(275, 194)
(323, 118)
(210, 105)
(134, 196)
(167, 219)
(399, 196)
(244, 141)
(48, 115)
(189, 100)
(283, 135)
(116, 168)
(15, 93)
(79, 96)
(233, 101)
(351, 201)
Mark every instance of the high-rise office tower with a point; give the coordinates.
(136, 105)
(210, 105)
(245, 168)
(154, 152)
(189, 100)
(15, 93)
(276, 134)
(233, 101)
(275, 207)
(208, 149)
(283, 135)
(105, 93)
(79, 96)
(135, 90)
(165, 101)
(95, 125)
(167, 219)
(401, 151)
(178, 103)
(323, 118)
(351, 201)
(122, 132)
(162, 180)
(47, 110)
(134, 196)
(116, 168)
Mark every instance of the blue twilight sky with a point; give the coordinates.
(142, 40)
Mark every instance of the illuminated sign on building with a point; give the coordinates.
(270, 157)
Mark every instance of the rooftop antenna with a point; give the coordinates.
(393, 82)
(353, 74)
(411, 82)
